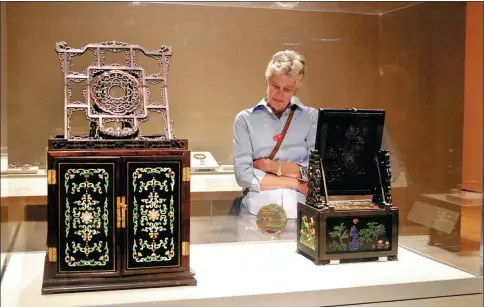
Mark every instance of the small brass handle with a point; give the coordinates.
(121, 208)
(118, 216)
(123, 212)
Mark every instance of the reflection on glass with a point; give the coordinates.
(413, 62)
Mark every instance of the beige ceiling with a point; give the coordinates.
(354, 7)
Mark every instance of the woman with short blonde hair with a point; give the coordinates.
(282, 178)
(288, 63)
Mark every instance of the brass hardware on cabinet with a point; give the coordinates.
(186, 174)
(121, 206)
(185, 248)
(118, 215)
(52, 254)
(51, 176)
(123, 212)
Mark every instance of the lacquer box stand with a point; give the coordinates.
(360, 223)
(118, 200)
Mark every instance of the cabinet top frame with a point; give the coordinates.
(129, 104)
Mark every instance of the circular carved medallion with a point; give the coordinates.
(271, 219)
(116, 92)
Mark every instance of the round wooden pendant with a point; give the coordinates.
(271, 219)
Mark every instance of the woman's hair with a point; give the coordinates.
(287, 62)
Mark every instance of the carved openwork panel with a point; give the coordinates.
(62, 144)
(86, 203)
(314, 180)
(154, 197)
(383, 193)
(116, 92)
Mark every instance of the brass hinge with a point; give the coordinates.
(186, 174)
(52, 254)
(121, 216)
(185, 248)
(51, 176)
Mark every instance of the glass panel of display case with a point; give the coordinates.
(416, 65)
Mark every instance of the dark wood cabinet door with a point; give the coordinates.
(153, 228)
(86, 201)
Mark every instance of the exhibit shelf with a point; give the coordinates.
(36, 185)
(261, 274)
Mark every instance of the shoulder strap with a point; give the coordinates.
(278, 145)
(283, 134)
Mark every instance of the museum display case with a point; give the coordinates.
(415, 64)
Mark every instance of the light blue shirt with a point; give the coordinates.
(253, 138)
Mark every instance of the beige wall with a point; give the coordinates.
(3, 74)
(422, 55)
(421, 86)
(219, 58)
(409, 61)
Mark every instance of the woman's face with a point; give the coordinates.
(280, 89)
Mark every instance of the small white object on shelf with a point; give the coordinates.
(28, 170)
(18, 168)
(202, 161)
(4, 166)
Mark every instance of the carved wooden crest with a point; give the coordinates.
(115, 92)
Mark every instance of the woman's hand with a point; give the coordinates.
(288, 169)
(302, 187)
(266, 165)
(270, 182)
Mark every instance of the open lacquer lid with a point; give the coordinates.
(348, 142)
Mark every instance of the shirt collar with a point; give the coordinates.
(294, 101)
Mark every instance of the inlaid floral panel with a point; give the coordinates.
(86, 217)
(153, 214)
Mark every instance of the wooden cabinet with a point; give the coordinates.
(119, 218)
